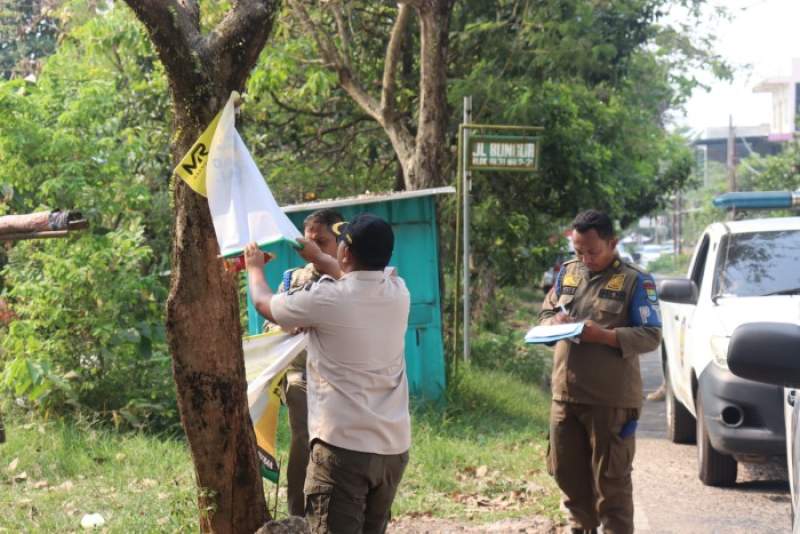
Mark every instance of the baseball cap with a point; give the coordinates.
(369, 237)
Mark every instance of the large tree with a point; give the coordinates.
(417, 132)
(203, 328)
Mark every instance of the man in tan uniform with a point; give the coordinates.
(358, 419)
(317, 228)
(596, 383)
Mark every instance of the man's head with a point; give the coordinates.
(317, 227)
(594, 240)
(365, 243)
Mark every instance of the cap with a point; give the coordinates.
(369, 237)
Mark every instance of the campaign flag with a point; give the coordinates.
(242, 206)
(266, 358)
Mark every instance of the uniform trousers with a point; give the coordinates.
(592, 463)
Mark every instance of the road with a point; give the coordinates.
(669, 498)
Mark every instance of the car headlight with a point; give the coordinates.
(719, 350)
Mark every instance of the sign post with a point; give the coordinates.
(493, 148)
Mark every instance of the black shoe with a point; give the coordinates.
(584, 531)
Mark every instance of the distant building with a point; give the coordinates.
(785, 91)
(765, 139)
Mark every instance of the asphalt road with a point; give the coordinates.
(669, 498)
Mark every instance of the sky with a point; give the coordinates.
(760, 41)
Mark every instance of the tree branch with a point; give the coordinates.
(238, 39)
(334, 61)
(344, 35)
(389, 84)
(173, 26)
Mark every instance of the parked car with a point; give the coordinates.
(770, 353)
(741, 272)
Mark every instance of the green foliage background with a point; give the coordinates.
(92, 132)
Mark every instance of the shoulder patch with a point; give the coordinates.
(650, 288)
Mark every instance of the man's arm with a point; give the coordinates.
(550, 313)
(324, 263)
(644, 317)
(260, 293)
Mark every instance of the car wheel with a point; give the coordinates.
(680, 423)
(714, 468)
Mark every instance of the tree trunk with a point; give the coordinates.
(203, 328)
(204, 336)
(430, 147)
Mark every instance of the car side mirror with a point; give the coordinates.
(677, 290)
(766, 352)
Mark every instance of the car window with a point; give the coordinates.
(758, 263)
(700, 263)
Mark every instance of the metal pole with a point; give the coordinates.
(465, 187)
(731, 162)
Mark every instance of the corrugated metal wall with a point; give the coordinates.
(416, 258)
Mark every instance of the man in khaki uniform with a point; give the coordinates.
(317, 228)
(596, 382)
(358, 418)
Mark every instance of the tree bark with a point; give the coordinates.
(203, 328)
(430, 144)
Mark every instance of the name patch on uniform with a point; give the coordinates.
(568, 290)
(650, 288)
(613, 295)
(571, 280)
(616, 283)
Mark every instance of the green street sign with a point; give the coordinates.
(503, 153)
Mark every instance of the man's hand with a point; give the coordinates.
(310, 251)
(592, 333)
(561, 318)
(254, 258)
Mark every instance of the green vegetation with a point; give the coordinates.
(481, 457)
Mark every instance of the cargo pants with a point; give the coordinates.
(295, 396)
(349, 491)
(592, 464)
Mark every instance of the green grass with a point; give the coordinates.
(480, 456)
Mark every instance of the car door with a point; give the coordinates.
(792, 414)
(684, 320)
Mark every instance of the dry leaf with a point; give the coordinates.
(42, 484)
(13, 465)
(67, 485)
(149, 483)
(21, 477)
(481, 471)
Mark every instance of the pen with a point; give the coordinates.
(563, 309)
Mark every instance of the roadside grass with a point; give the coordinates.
(478, 456)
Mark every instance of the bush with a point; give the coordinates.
(88, 333)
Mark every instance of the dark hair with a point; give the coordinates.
(593, 219)
(325, 216)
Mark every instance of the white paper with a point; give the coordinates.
(556, 332)
(242, 206)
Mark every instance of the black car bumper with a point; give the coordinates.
(742, 417)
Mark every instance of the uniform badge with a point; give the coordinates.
(616, 282)
(650, 288)
(571, 280)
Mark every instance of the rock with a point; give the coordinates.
(92, 521)
(292, 525)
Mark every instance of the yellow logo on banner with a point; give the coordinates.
(192, 168)
(616, 282)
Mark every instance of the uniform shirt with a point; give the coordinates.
(623, 298)
(294, 279)
(356, 372)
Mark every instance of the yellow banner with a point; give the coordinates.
(192, 168)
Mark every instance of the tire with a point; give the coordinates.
(713, 467)
(681, 426)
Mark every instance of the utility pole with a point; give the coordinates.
(465, 187)
(731, 162)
